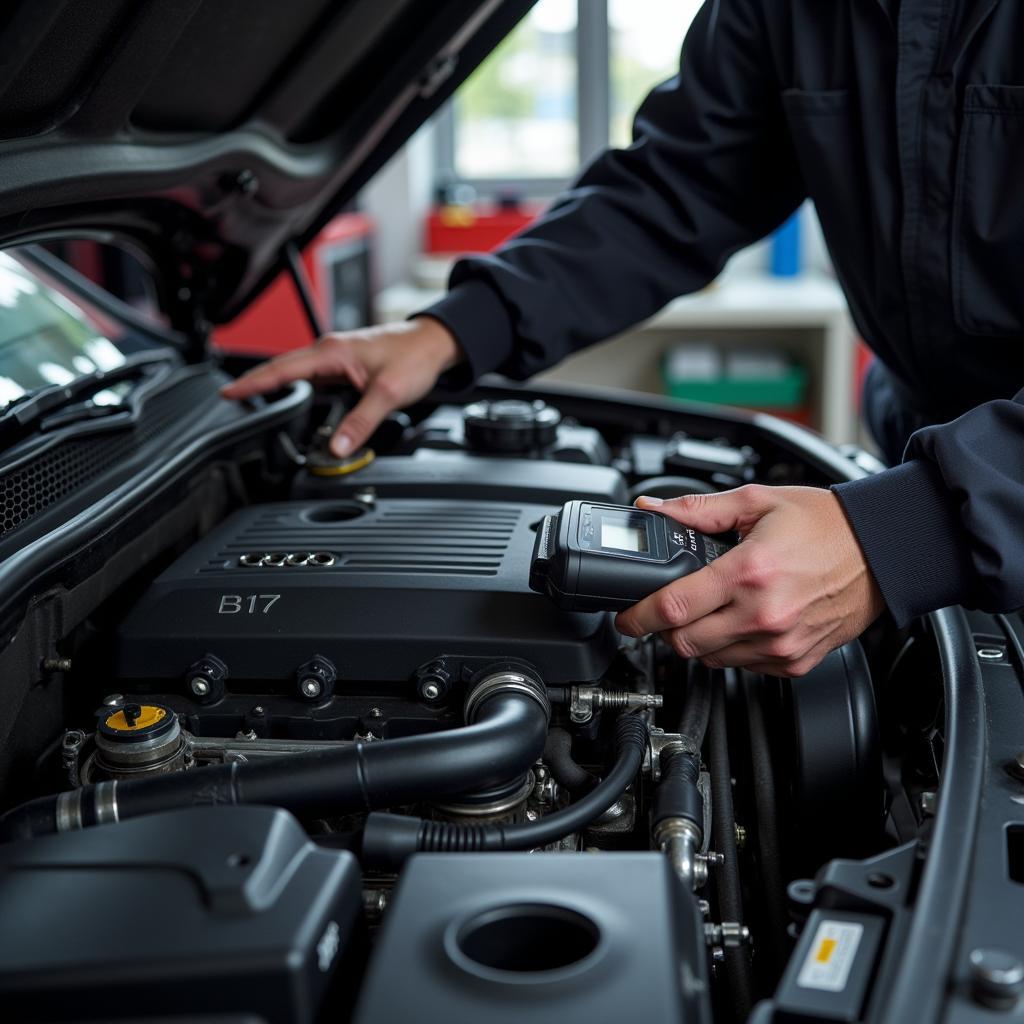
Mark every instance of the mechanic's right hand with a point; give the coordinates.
(392, 365)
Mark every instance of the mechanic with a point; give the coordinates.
(901, 120)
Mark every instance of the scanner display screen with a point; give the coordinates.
(620, 537)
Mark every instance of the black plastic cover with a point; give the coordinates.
(510, 937)
(834, 763)
(200, 911)
(410, 581)
(456, 474)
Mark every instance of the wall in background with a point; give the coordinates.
(398, 200)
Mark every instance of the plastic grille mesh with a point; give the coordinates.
(34, 486)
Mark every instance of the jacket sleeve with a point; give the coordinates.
(710, 171)
(946, 527)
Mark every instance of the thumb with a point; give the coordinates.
(737, 509)
(364, 418)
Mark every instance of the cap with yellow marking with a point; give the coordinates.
(135, 723)
(135, 718)
(327, 465)
(137, 737)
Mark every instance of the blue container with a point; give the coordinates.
(785, 258)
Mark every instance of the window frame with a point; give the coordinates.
(593, 113)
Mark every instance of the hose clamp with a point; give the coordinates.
(68, 811)
(505, 681)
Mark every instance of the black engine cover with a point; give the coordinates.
(410, 580)
(207, 910)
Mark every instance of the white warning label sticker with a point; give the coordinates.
(830, 958)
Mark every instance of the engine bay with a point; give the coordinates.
(515, 807)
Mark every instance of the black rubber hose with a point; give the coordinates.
(390, 839)
(697, 709)
(564, 770)
(769, 850)
(677, 795)
(505, 737)
(738, 975)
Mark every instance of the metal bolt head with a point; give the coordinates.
(113, 700)
(375, 713)
(311, 687)
(200, 687)
(431, 691)
(997, 978)
(531, 815)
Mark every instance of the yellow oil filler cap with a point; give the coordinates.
(135, 718)
(325, 464)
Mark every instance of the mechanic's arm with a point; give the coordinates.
(947, 526)
(944, 528)
(710, 171)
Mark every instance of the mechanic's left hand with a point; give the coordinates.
(794, 589)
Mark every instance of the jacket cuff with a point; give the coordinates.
(908, 525)
(476, 316)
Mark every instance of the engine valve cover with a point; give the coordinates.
(379, 591)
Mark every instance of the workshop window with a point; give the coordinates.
(644, 39)
(558, 90)
(515, 117)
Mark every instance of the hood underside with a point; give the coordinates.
(211, 133)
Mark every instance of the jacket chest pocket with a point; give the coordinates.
(988, 216)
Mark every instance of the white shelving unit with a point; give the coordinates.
(806, 316)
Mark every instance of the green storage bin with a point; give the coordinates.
(784, 392)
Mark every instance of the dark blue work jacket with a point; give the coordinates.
(904, 122)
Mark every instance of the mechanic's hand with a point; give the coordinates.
(795, 588)
(392, 365)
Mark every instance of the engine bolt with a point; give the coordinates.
(315, 679)
(433, 682)
(205, 678)
(113, 700)
(997, 978)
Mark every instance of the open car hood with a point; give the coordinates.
(208, 134)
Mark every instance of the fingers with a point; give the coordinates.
(274, 374)
(330, 358)
(759, 655)
(712, 633)
(715, 513)
(680, 603)
(365, 417)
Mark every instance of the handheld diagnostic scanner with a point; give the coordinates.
(591, 557)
